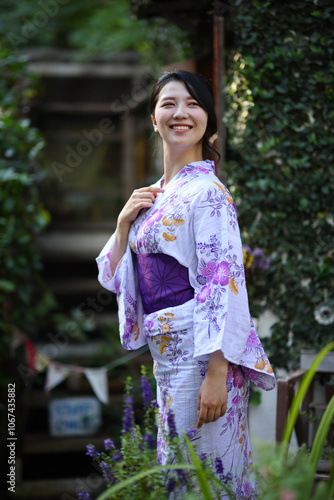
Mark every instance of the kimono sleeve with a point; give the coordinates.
(125, 284)
(103, 263)
(221, 313)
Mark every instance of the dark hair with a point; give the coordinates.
(200, 89)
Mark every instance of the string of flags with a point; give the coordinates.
(57, 372)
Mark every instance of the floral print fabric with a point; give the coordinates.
(179, 376)
(195, 222)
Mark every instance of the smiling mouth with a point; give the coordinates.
(181, 127)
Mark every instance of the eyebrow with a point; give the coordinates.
(173, 98)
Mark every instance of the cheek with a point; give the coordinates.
(202, 119)
(161, 118)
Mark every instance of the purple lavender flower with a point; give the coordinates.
(260, 261)
(150, 441)
(191, 433)
(117, 455)
(171, 483)
(106, 471)
(182, 476)
(147, 392)
(128, 414)
(90, 450)
(154, 404)
(109, 444)
(228, 478)
(171, 424)
(258, 253)
(202, 457)
(84, 495)
(219, 466)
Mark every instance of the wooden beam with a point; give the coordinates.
(218, 83)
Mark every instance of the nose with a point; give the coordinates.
(180, 111)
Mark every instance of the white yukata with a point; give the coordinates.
(195, 222)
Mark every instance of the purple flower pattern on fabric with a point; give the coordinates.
(209, 270)
(252, 340)
(203, 294)
(222, 274)
(196, 207)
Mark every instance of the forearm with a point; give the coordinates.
(218, 365)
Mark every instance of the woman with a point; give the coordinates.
(176, 264)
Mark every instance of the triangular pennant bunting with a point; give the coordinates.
(55, 375)
(31, 354)
(98, 379)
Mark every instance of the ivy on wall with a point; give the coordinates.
(280, 123)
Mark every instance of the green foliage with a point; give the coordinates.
(22, 215)
(284, 474)
(280, 121)
(132, 472)
(101, 27)
(289, 479)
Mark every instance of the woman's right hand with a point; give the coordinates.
(140, 198)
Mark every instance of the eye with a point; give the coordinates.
(193, 103)
(167, 104)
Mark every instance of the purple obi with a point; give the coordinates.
(163, 282)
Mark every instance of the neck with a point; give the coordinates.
(175, 160)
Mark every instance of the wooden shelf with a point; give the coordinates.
(43, 443)
(50, 488)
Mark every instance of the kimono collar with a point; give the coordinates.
(204, 166)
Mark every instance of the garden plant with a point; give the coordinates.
(131, 471)
(279, 120)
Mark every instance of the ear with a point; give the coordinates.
(154, 123)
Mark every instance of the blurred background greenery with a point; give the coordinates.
(67, 65)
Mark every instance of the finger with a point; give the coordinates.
(210, 417)
(143, 195)
(151, 189)
(147, 199)
(202, 417)
(200, 422)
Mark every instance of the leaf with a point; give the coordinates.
(7, 286)
(321, 435)
(159, 469)
(330, 485)
(201, 475)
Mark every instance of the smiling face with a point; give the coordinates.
(179, 119)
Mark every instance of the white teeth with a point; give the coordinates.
(181, 127)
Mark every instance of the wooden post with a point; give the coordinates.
(128, 168)
(218, 83)
(285, 395)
